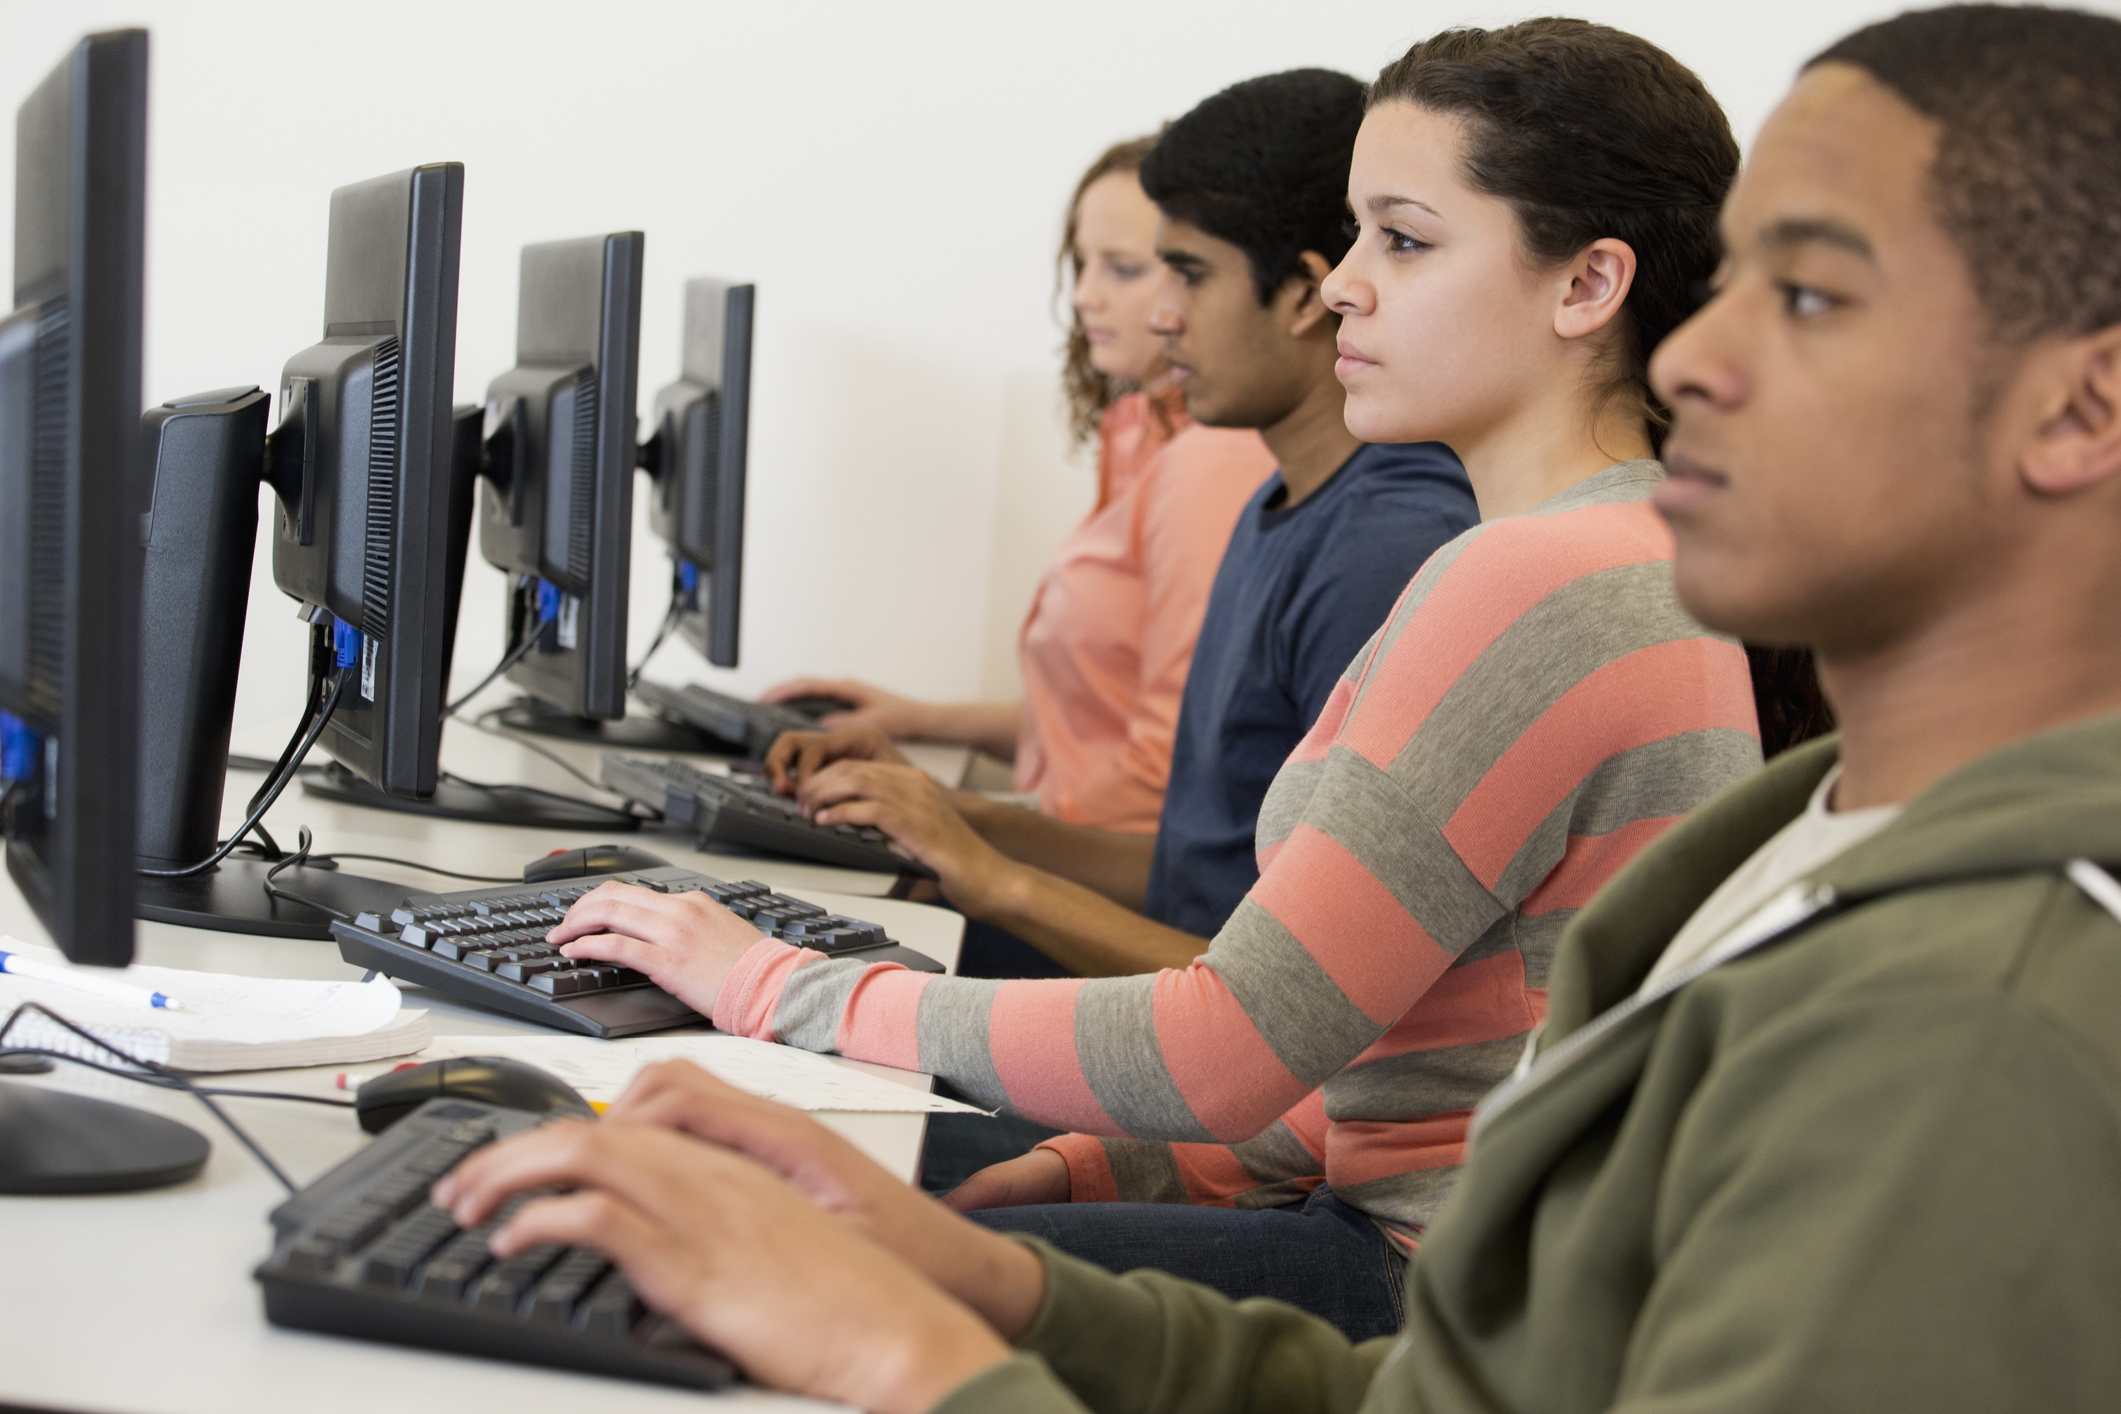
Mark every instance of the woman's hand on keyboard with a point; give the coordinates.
(795, 757)
(736, 1255)
(687, 944)
(868, 705)
(980, 1268)
(906, 804)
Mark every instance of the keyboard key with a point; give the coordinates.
(451, 1272)
(354, 1228)
(566, 1283)
(530, 967)
(504, 1284)
(312, 1254)
(564, 983)
(393, 1261)
(611, 1310)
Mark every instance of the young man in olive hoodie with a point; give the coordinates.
(1827, 1112)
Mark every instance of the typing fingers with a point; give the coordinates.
(637, 912)
(622, 951)
(841, 781)
(782, 760)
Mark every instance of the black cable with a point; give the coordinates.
(164, 1076)
(214, 1090)
(515, 656)
(484, 723)
(334, 857)
(295, 861)
(670, 621)
(289, 756)
(276, 786)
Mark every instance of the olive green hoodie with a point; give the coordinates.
(1872, 1164)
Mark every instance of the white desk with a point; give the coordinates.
(144, 1303)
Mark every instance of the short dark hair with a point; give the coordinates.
(1264, 166)
(1589, 132)
(2027, 176)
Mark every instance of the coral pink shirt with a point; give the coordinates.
(1105, 648)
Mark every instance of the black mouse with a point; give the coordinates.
(594, 859)
(816, 705)
(490, 1080)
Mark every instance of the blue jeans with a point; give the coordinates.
(1324, 1257)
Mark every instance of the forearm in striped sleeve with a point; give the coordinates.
(1276, 1167)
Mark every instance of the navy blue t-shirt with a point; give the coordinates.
(1299, 593)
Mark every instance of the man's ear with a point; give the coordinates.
(1304, 305)
(1599, 278)
(2076, 437)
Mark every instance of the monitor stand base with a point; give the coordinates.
(54, 1142)
(231, 898)
(462, 800)
(527, 714)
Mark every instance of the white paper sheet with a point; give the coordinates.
(227, 1022)
(218, 1006)
(601, 1069)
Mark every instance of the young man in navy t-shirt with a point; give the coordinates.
(1251, 186)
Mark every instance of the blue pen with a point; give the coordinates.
(81, 980)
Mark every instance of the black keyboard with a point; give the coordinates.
(487, 947)
(745, 811)
(361, 1252)
(749, 727)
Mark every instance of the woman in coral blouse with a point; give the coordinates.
(1104, 650)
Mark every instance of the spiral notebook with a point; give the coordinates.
(228, 1022)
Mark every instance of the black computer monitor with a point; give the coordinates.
(70, 494)
(70, 502)
(696, 460)
(556, 509)
(365, 462)
(361, 460)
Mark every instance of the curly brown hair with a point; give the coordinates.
(1089, 391)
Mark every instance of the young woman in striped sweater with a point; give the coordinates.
(1537, 209)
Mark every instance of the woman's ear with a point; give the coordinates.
(1308, 306)
(1599, 278)
(2076, 434)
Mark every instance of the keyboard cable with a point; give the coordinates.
(484, 723)
(302, 856)
(162, 1077)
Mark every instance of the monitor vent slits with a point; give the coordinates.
(384, 429)
(582, 487)
(48, 529)
(710, 491)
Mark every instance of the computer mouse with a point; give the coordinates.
(490, 1080)
(594, 859)
(817, 705)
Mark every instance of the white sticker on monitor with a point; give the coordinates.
(368, 668)
(569, 607)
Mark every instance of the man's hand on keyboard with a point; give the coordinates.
(993, 1275)
(797, 756)
(906, 804)
(685, 943)
(737, 1256)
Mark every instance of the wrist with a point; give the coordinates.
(940, 1353)
(1001, 1279)
(989, 886)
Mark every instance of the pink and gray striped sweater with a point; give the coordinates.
(1537, 709)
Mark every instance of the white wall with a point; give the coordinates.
(890, 174)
